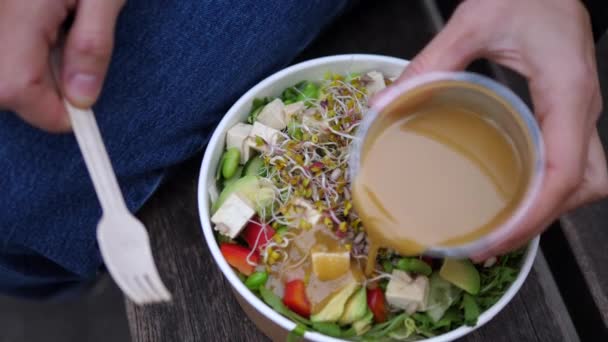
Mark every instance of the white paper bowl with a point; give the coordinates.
(273, 86)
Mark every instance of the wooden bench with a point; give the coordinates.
(586, 233)
(204, 307)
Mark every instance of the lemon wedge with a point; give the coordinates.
(330, 265)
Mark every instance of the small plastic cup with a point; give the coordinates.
(481, 95)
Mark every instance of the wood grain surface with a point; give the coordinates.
(204, 307)
(586, 228)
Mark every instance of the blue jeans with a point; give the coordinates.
(177, 67)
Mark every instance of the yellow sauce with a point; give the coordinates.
(435, 175)
(299, 266)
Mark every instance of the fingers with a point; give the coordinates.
(562, 176)
(42, 107)
(30, 90)
(456, 46)
(565, 136)
(453, 48)
(26, 85)
(88, 50)
(593, 187)
(595, 180)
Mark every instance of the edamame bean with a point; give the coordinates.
(414, 265)
(256, 280)
(281, 230)
(388, 266)
(231, 162)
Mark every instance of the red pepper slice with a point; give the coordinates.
(376, 303)
(237, 255)
(253, 230)
(295, 298)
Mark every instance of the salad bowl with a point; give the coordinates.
(271, 322)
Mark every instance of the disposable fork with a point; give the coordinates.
(123, 239)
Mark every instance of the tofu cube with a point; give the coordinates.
(232, 216)
(312, 215)
(293, 109)
(406, 293)
(268, 134)
(376, 84)
(273, 115)
(238, 137)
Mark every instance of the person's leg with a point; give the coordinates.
(177, 67)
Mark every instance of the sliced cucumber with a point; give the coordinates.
(238, 173)
(254, 167)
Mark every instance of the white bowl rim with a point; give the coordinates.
(257, 303)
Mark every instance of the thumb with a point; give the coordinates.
(453, 48)
(88, 50)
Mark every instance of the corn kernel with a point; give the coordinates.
(347, 207)
(342, 227)
(348, 246)
(299, 159)
(308, 193)
(304, 224)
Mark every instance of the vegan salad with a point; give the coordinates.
(284, 220)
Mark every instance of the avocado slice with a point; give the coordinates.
(254, 166)
(442, 294)
(461, 273)
(364, 324)
(355, 308)
(334, 308)
(256, 190)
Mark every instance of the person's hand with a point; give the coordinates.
(551, 44)
(29, 30)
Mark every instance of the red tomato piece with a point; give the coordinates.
(376, 303)
(237, 255)
(253, 230)
(295, 298)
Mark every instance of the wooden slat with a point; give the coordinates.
(587, 232)
(204, 308)
(587, 228)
